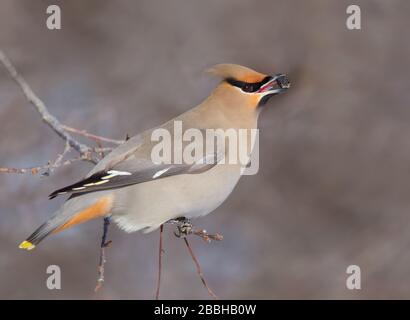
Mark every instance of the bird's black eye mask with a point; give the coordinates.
(247, 86)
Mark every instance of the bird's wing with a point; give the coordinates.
(131, 163)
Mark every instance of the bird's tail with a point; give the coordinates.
(74, 211)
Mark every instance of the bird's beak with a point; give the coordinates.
(278, 84)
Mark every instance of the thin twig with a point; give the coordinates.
(47, 168)
(101, 152)
(90, 135)
(61, 156)
(102, 149)
(205, 236)
(47, 117)
(103, 260)
(199, 270)
(161, 251)
(58, 161)
(32, 170)
(86, 152)
(38, 169)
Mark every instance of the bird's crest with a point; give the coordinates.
(236, 72)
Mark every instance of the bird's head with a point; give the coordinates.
(253, 85)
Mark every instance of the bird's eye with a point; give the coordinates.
(248, 87)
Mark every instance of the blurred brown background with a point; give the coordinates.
(334, 179)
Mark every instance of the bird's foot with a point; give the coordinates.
(185, 228)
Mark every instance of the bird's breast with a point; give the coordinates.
(148, 205)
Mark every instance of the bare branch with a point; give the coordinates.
(207, 237)
(102, 150)
(47, 117)
(103, 260)
(32, 170)
(60, 157)
(91, 136)
(184, 229)
(49, 167)
(38, 169)
(199, 270)
(86, 152)
(161, 251)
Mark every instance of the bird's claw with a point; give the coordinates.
(183, 229)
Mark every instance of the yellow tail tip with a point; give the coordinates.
(26, 245)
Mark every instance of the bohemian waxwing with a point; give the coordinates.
(140, 193)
